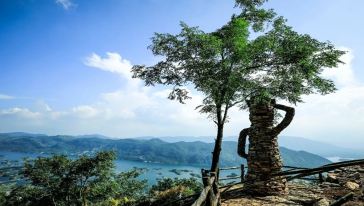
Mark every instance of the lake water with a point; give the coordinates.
(156, 171)
(339, 159)
(153, 171)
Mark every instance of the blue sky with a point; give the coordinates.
(64, 67)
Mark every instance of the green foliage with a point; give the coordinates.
(58, 180)
(250, 4)
(4, 192)
(27, 195)
(167, 183)
(168, 189)
(129, 187)
(231, 65)
(257, 17)
(287, 65)
(66, 181)
(206, 60)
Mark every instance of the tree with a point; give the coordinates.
(251, 60)
(210, 62)
(59, 180)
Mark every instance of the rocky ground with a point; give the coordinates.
(338, 183)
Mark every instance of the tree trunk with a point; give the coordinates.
(214, 196)
(263, 157)
(217, 149)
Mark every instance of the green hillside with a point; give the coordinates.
(152, 150)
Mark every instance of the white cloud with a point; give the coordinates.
(66, 4)
(6, 97)
(42, 106)
(56, 115)
(124, 102)
(344, 74)
(113, 62)
(85, 111)
(20, 112)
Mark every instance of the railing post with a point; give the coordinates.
(321, 179)
(210, 196)
(205, 177)
(242, 168)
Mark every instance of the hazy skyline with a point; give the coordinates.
(65, 68)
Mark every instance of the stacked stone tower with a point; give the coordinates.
(263, 157)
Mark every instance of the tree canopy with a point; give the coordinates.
(256, 55)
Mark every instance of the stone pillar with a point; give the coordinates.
(263, 157)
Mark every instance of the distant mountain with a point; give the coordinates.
(150, 150)
(19, 134)
(94, 136)
(295, 143)
(320, 148)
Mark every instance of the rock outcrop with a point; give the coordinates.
(338, 183)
